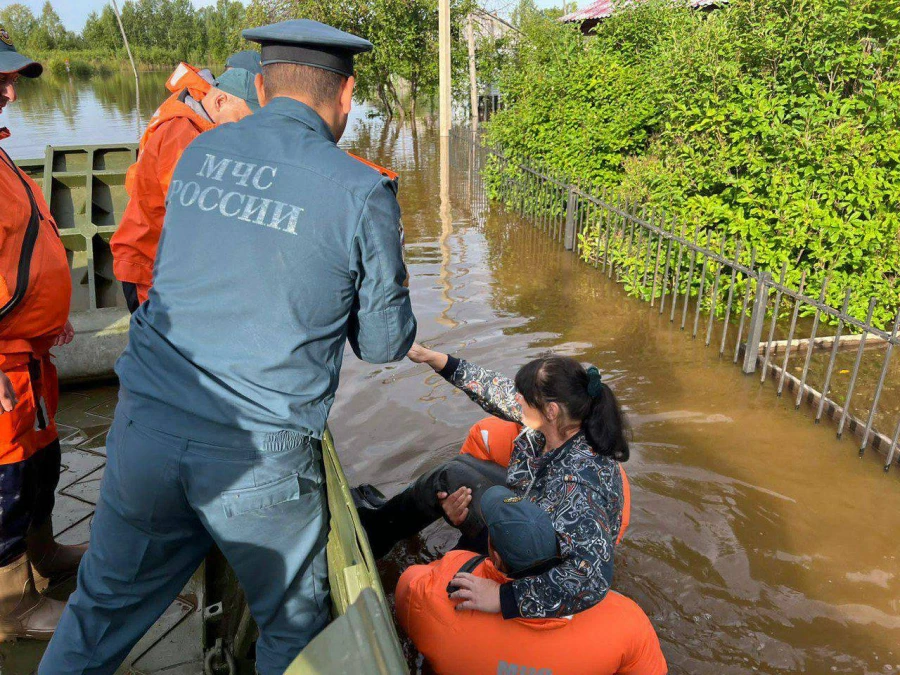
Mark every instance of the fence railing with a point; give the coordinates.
(750, 314)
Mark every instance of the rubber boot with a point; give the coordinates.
(25, 613)
(51, 563)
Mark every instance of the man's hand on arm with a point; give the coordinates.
(456, 505)
(8, 399)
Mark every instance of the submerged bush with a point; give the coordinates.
(768, 121)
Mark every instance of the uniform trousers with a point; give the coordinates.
(164, 500)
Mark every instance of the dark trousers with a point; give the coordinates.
(27, 495)
(417, 506)
(131, 296)
(164, 501)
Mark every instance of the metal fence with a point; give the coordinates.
(720, 294)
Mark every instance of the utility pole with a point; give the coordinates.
(444, 66)
(473, 79)
(137, 82)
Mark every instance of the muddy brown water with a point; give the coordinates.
(758, 542)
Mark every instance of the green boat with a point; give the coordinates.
(85, 187)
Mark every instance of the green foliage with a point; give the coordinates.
(161, 33)
(770, 122)
(79, 68)
(403, 67)
(19, 22)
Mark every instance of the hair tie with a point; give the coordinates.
(595, 382)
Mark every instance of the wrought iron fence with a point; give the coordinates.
(718, 293)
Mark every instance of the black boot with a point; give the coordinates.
(417, 507)
(389, 521)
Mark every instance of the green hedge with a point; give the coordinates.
(770, 121)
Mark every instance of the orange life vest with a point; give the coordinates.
(183, 77)
(173, 126)
(614, 636)
(35, 292)
(492, 438)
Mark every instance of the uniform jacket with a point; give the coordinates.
(35, 292)
(582, 491)
(615, 636)
(173, 126)
(277, 249)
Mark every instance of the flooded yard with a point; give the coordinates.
(758, 542)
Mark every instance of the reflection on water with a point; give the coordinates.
(52, 111)
(758, 542)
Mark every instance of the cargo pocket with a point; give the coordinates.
(248, 500)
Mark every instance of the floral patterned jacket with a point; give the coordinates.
(581, 490)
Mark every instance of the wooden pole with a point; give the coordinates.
(473, 76)
(444, 66)
(137, 82)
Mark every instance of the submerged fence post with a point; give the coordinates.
(757, 319)
(569, 240)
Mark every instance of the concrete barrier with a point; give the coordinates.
(100, 337)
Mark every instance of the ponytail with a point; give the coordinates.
(583, 395)
(604, 426)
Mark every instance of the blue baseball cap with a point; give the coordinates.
(520, 530)
(11, 61)
(247, 59)
(239, 82)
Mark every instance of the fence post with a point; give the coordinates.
(757, 319)
(569, 239)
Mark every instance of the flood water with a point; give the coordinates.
(758, 542)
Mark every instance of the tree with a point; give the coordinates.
(49, 32)
(101, 31)
(403, 66)
(19, 22)
(222, 25)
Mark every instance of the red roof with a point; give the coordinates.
(604, 8)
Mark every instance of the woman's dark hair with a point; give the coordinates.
(562, 380)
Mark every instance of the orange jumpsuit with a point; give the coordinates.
(35, 291)
(173, 126)
(614, 636)
(491, 440)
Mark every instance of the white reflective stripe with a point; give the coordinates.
(180, 72)
(484, 437)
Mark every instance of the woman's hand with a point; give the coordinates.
(476, 593)
(7, 394)
(66, 336)
(456, 506)
(420, 354)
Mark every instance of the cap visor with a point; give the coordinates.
(13, 62)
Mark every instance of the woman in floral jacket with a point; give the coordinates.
(566, 460)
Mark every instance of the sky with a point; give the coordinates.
(74, 12)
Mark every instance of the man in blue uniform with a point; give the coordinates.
(277, 248)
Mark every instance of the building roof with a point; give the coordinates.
(601, 9)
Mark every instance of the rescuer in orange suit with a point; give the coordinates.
(614, 636)
(35, 290)
(197, 104)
